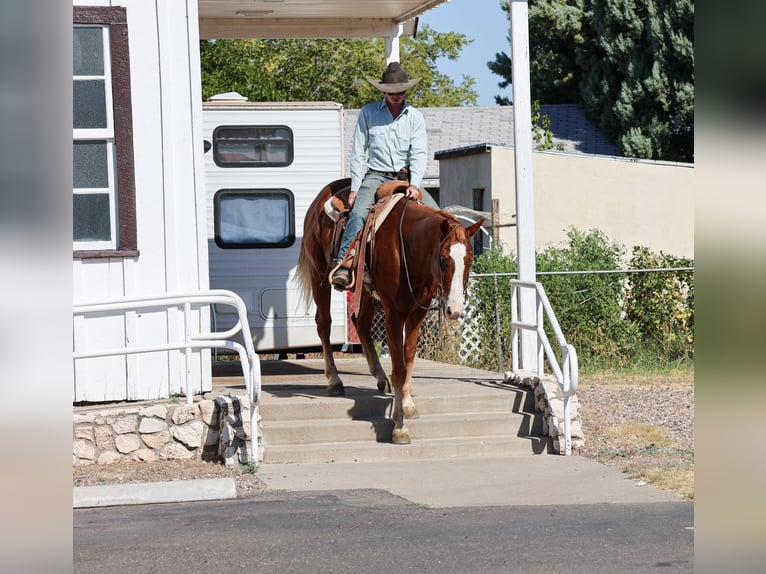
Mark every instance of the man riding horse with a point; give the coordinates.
(389, 143)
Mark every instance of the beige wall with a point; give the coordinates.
(633, 202)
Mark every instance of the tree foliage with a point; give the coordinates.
(332, 69)
(630, 63)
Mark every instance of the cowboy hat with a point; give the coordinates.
(394, 80)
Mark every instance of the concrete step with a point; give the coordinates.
(428, 426)
(464, 413)
(363, 406)
(419, 449)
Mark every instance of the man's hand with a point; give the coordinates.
(413, 192)
(352, 199)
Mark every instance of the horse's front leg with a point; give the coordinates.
(400, 434)
(363, 324)
(321, 292)
(411, 334)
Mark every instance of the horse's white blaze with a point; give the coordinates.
(454, 306)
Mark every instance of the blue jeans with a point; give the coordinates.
(364, 200)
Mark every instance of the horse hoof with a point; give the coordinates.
(336, 390)
(384, 386)
(400, 436)
(411, 413)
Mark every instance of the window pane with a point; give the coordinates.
(254, 219)
(253, 146)
(91, 217)
(89, 98)
(88, 52)
(90, 164)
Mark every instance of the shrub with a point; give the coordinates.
(614, 320)
(662, 304)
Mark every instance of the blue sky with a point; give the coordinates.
(486, 24)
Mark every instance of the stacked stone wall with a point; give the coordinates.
(162, 431)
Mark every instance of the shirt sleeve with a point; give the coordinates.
(358, 162)
(418, 150)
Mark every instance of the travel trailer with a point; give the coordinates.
(264, 165)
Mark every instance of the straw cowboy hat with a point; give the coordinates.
(394, 80)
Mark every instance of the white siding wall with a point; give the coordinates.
(167, 130)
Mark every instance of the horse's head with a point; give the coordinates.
(455, 257)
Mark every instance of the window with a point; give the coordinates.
(253, 146)
(254, 218)
(104, 223)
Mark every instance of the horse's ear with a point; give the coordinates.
(472, 229)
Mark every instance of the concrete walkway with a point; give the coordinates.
(518, 480)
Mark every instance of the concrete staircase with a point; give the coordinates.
(464, 413)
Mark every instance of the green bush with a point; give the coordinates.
(614, 320)
(662, 304)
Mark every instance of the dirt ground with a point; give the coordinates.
(643, 425)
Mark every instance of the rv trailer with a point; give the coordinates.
(264, 165)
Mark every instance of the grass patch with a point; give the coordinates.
(672, 376)
(635, 437)
(670, 475)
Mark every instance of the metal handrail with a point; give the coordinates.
(251, 367)
(567, 373)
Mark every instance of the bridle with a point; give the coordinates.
(439, 289)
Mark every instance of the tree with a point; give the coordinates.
(331, 69)
(630, 63)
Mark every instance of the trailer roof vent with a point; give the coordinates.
(230, 96)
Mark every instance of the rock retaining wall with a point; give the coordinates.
(550, 402)
(211, 428)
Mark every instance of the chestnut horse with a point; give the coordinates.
(418, 254)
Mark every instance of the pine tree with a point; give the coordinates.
(630, 63)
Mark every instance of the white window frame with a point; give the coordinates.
(105, 135)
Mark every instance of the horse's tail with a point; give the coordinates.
(303, 275)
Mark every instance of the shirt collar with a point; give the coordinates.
(382, 105)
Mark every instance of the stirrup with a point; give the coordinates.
(337, 276)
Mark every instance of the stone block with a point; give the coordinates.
(145, 455)
(126, 443)
(125, 424)
(207, 413)
(156, 440)
(84, 449)
(103, 435)
(157, 411)
(83, 418)
(184, 414)
(151, 425)
(174, 451)
(85, 433)
(189, 434)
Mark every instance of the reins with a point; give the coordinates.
(406, 267)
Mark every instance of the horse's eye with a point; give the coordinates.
(443, 262)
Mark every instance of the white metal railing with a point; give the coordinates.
(251, 367)
(566, 374)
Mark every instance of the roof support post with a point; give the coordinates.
(525, 200)
(392, 44)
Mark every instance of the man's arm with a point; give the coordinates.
(358, 161)
(418, 151)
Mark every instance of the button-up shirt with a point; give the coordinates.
(384, 143)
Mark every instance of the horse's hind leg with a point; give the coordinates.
(363, 325)
(321, 292)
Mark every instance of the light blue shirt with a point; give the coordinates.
(383, 143)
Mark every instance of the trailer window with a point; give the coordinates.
(254, 218)
(253, 146)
